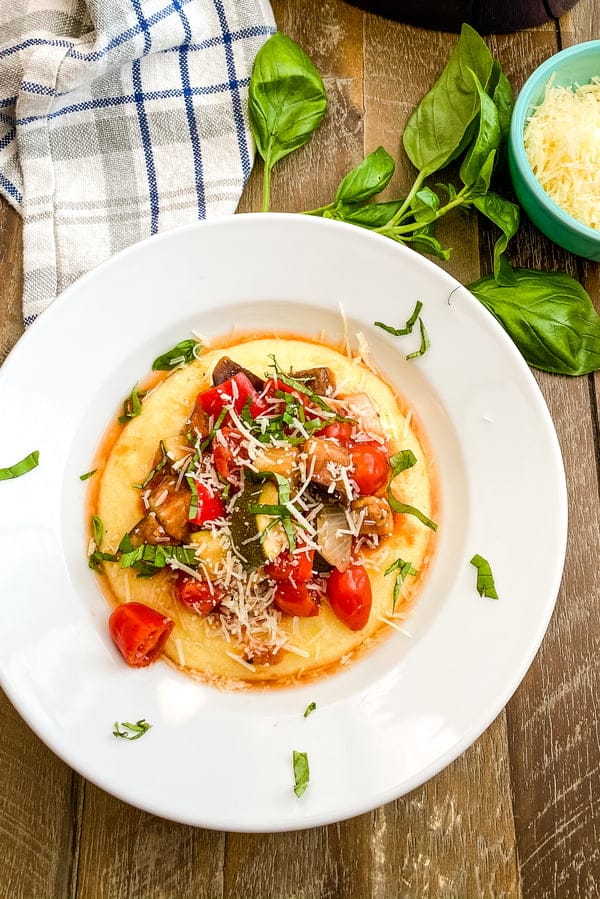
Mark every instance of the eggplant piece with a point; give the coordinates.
(198, 423)
(320, 380)
(170, 504)
(378, 518)
(325, 459)
(150, 530)
(226, 368)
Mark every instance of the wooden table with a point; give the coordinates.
(519, 813)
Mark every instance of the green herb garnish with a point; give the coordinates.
(181, 354)
(485, 579)
(301, 772)
(210, 436)
(164, 458)
(408, 327)
(132, 731)
(20, 468)
(425, 342)
(405, 509)
(403, 570)
(97, 530)
(88, 474)
(132, 406)
(149, 558)
(401, 461)
(310, 709)
(281, 510)
(96, 558)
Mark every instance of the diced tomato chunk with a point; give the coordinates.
(237, 393)
(197, 595)
(296, 599)
(297, 565)
(209, 506)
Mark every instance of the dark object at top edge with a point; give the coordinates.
(492, 17)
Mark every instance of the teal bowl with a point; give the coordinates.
(576, 65)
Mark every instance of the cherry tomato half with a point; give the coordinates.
(209, 506)
(298, 566)
(197, 595)
(349, 594)
(139, 632)
(371, 467)
(296, 599)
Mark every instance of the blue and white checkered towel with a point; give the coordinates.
(118, 119)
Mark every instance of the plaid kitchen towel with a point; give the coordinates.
(118, 119)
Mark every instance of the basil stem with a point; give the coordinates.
(20, 468)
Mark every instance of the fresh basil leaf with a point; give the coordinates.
(286, 102)
(487, 139)
(502, 94)
(408, 327)
(132, 406)
(301, 772)
(376, 215)
(97, 530)
(485, 578)
(88, 474)
(481, 185)
(367, 179)
(181, 354)
(401, 461)
(425, 342)
(425, 205)
(96, 558)
(439, 129)
(506, 216)
(425, 243)
(310, 709)
(405, 509)
(20, 468)
(549, 316)
(149, 557)
(132, 731)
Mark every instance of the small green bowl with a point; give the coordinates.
(576, 65)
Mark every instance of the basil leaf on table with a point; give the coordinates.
(487, 139)
(438, 129)
(286, 102)
(374, 216)
(367, 179)
(506, 215)
(549, 316)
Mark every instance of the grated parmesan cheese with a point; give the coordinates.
(562, 142)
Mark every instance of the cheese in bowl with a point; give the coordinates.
(264, 514)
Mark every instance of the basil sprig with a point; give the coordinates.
(182, 353)
(286, 102)
(301, 772)
(20, 468)
(485, 579)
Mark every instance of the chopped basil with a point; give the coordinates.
(298, 385)
(96, 558)
(88, 474)
(133, 731)
(149, 558)
(485, 579)
(280, 510)
(97, 530)
(132, 406)
(401, 461)
(181, 354)
(403, 570)
(405, 509)
(209, 438)
(158, 467)
(193, 510)
(425, 342)
(20, 468)
(301, 772)
(408, 327)
(310, 709)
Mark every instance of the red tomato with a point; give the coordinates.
(236, 392)
(371, 467)
(223, 451)
(197, 595)
(296, 599)
(208, 506)
(139, 632)
(297, 566)
(338, 430)
(349, 594)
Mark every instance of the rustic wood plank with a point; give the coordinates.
(553, 727)
(441, 840)
(37, 826)
(11, 278)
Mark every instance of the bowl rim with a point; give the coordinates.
(517, 146)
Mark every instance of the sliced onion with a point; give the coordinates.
(334, 546)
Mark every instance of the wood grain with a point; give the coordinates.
(517, 814)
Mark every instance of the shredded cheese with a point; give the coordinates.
(562, 142)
